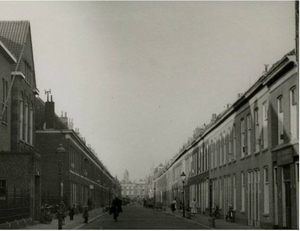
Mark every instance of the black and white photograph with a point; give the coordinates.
(149, 115)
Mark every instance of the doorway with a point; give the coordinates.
(287, 202)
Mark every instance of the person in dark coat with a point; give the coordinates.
(85, 214)
(116, 208)
(72, 212)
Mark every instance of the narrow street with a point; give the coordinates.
(137, 217)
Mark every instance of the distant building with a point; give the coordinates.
(134, 190)
(20, 183)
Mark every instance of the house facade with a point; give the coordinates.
(85, 180)
(247, 156)
(20, 187)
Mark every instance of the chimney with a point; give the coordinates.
(49, 114)
(64, 119)
(213, 118)
(70, 124)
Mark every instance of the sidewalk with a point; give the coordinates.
(204, 221)
(77, 222)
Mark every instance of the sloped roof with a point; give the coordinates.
(13, 35)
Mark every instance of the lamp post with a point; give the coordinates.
(59, 151)
(183, 179)
(109, 197)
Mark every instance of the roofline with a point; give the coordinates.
(8, 53)
(92, 155)
(260, 83)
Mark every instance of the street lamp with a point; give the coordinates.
(60, 151)
(154, 194)
(183, 179)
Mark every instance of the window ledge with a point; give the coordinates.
(242, 211)
(242, 158)
(266, 214)
(248, 156)
(265, 149)
(256, 153)
(233, 161)
(229, 163)
(224, 165)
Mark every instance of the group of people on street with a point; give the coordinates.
(176, 204)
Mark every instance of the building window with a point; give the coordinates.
(234, 192)
(225, 149)
(243, 191)
(293, 113)
(26, 121)
(229, 143)
(211, 154)
(21, 119)
(280, 120)
(2, 190)
(31, 124)
(266, 190)
(206, 161)
(249, 134)
(220, 149)
(4, 101)
(221, 196)
(234, 143)
(216, 153)
(243, 148)
(265, 125)
(257, 138)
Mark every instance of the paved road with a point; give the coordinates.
(137, 217)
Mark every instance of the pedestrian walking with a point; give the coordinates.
(63, 213)
(173, 205)
(116, 208)
(85, 214)
(72, 212)
(194, 207)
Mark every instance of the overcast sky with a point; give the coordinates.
(138, 77)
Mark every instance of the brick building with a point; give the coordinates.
(17, 127)
(85, 178)
(247, 156)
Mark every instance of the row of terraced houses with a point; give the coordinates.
(246, 157)
(31, 132)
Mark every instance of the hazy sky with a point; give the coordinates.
(139, 77)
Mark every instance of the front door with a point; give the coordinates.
(287, 197)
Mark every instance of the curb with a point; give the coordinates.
(191, 221)
(78, 227)
(17, 224)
